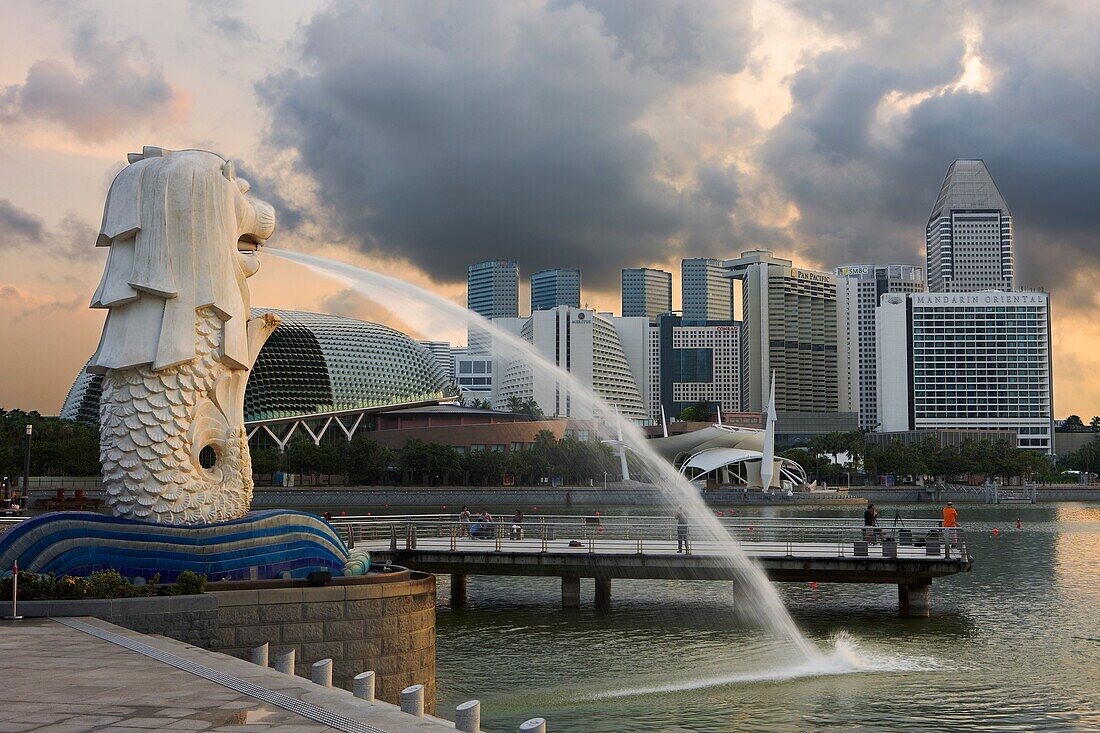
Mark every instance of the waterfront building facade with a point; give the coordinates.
(973, 361)
(647, 292)
(969, 233)
(788, 326)
(551, 288)
(706, 293)
(443, 354)
(587, 346)
(859, 287)
(492, 291)
(693, 361)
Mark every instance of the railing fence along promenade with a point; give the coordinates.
(906, 552)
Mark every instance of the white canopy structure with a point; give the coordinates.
(730, 455)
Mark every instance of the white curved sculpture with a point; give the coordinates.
(178, 342)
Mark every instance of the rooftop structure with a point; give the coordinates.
(969, 233)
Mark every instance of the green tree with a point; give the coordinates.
(900, 459)
(367, 461)
(58, 447)
(429, 462)
(524, 407)
(265, 461)
(699, 412)
(1073, 422)
(1094, 423)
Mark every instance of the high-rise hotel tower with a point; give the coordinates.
(969, 233)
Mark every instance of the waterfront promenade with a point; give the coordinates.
(64, 680)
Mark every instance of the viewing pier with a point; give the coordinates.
(909, 555)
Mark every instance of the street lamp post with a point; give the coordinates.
(27, 460)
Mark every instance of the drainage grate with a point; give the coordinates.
(305, 709)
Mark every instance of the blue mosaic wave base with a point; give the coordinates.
(263, 545)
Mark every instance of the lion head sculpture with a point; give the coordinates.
(182, 229)
(178, 344)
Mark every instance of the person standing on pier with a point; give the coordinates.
(950, 516)
(681, 530)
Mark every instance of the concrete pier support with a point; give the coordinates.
(570, 591)
(603, 594)
(915, 599)
(458, 590)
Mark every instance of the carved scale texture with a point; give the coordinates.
(153, 425)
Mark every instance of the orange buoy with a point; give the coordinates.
(813, 585)
(996, 531)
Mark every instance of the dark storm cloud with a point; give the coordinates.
(288, 215)
(864, 192)
(20, 230)
(18, 226)
(112, 86)
(451, 133)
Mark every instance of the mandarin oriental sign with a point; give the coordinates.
(979, 299)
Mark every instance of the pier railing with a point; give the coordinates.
(759, 536)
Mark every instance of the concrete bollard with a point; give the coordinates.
(363, 686)
(412, 700)
(284, 661)
(259, 654)
(534, 725)
(321, 673)
(468, 717)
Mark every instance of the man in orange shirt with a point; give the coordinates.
(950, 516)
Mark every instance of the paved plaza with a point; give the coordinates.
(62, 680)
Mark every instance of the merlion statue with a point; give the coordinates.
(178, 342)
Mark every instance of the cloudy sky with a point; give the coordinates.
(418, 137)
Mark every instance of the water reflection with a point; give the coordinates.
(1011, 646)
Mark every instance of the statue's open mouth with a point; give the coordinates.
(249, 243)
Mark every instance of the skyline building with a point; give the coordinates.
(492, 291)
(968, 239)
(646, 292)
(693, 361)
(789, 327)
(443, 354)
(589, 347)
(706, 292)
(974, 361)
(859, 289)
(551, 288)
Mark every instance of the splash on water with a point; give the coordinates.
(845, 656)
